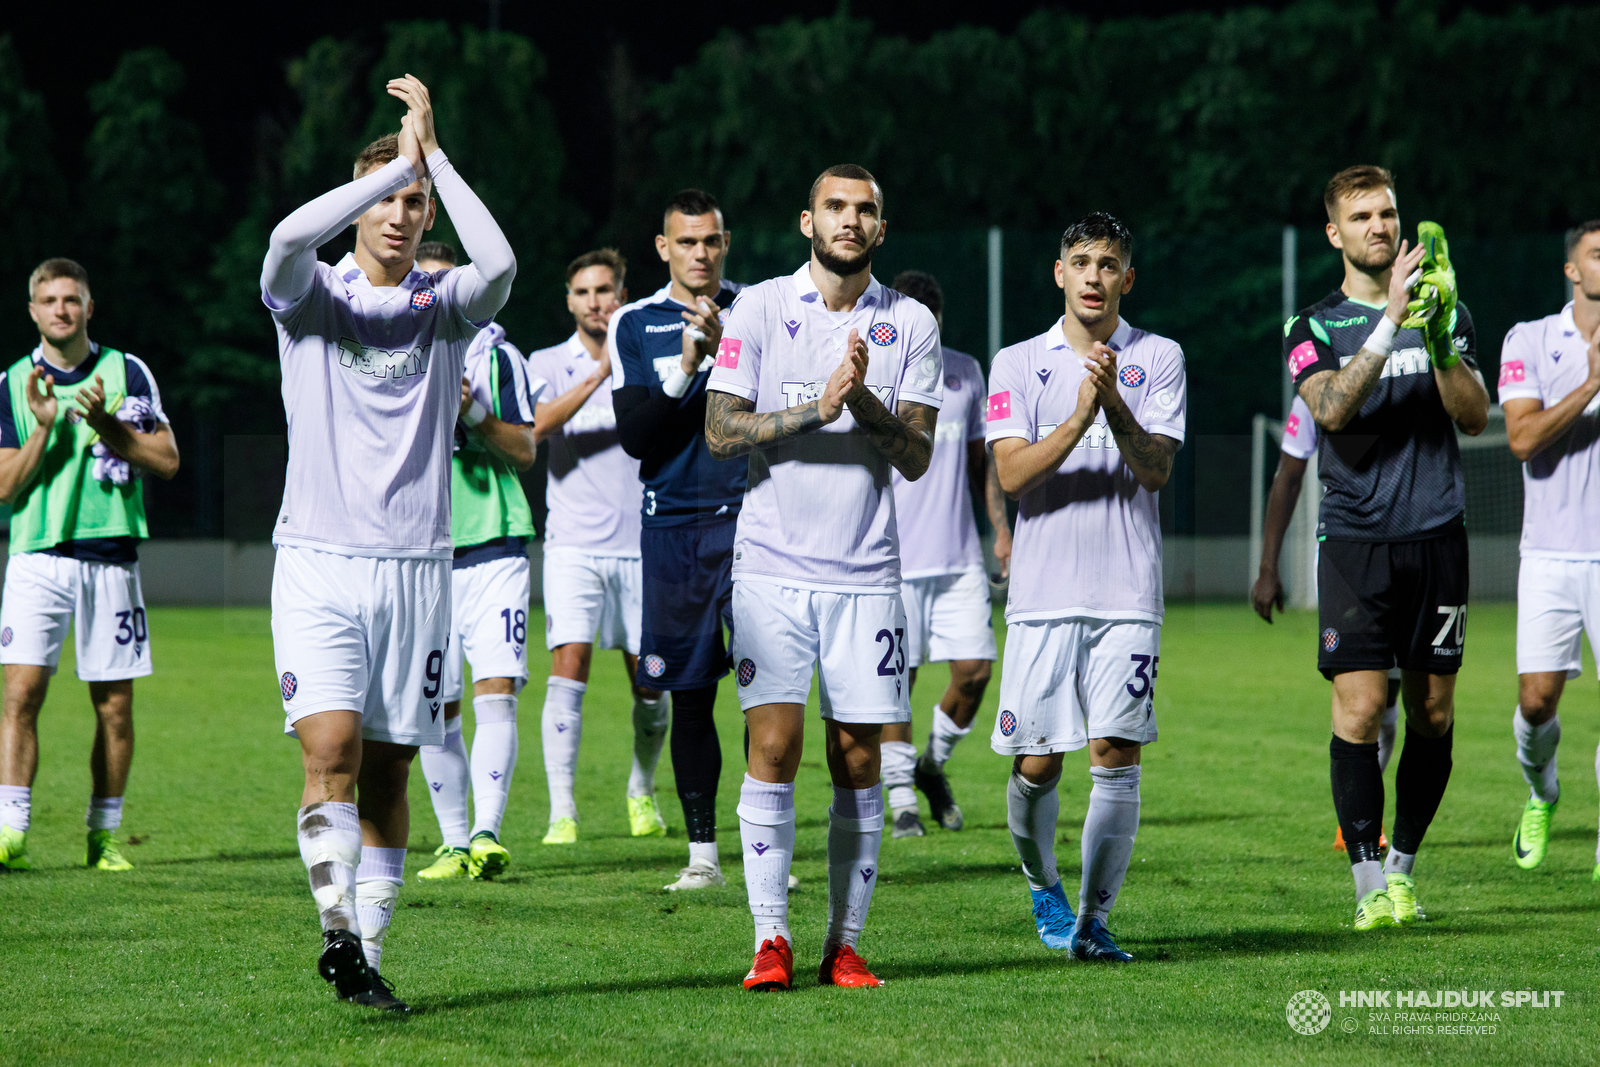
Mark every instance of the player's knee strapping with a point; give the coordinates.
(329, 834)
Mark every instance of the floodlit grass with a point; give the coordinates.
(205, 952)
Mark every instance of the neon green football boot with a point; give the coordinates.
(487, 858)
(14, 849)
(563, 831)
(1533, 833)
(1374, 910)
(103, 854)
(452, 863)
(1403, 899)
(645, 818)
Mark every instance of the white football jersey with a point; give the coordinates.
(819, 513)
(938, 532)
(371, 388)
(1299, 431)
(1088, 538)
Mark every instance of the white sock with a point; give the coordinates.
(329, 833)
(1386, 728)
(562, 727)
(494, 757)
(855, 832)
(1536, 751)
(1031, 812)
(766, 828)
(942, 740)
(377, 886)
(105, 813)
(703, 853)
(1369, 876)
(1108, 833)
(899, 761)
(1397, 862)
(650, 719)
(16, 806)
(445, 768)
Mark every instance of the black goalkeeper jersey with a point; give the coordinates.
(1393, 473)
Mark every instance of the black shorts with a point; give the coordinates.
(688, 600)
(1392, 603)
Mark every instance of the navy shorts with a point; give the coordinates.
(688, 599)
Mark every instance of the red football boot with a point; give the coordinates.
(842, 967)
(773, 967)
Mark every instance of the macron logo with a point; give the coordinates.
(728, 352)
(671, 327)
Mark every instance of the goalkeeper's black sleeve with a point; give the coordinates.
(653, 424)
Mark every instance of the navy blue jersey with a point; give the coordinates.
(683, 484)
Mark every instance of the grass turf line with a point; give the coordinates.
(205, 952)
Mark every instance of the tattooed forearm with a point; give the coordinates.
(906, 439)
(734, 429)
(1334, 397)
(1148, 454)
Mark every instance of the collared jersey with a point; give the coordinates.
(490, 517)
(1546, 360)
(593, 490)
(1299, 431)
(1394, 473)
(682, 481)
(371, 388)
(819, 513)
(1088, 538)
(938, 532)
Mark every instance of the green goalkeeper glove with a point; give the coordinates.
(1433, 310)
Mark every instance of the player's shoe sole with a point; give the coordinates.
(14, 849)
(1092, 942)
(103, 854)
(343, 964)
(842, 967)
(773, 968)
(907, 823)
(487, 858)
(563, 831)
(696, 876)
(452, 863)
(1052, 917)
(1403, 899)
(1533, 833)
(644, 818)
(930, 778)
(1375, 910)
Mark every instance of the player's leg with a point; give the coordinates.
(962, 633)
(385, 826)
(36, 610)
(899, 754)
(328, 829)
(1390, 721)
(1551, 597)
(1358, 701)
(574, 598)
(113, 647)
(620, 627)
(1537, 728)
(110, 760)
(445, 767)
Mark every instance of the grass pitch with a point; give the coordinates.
(1235, 902)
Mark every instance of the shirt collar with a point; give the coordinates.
(806, 289)
(1056, 337)
(351, 273)
(1568, 326)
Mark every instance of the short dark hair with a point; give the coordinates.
(922, 287)
(437, 250)
(379, 153)
(1353, 180)
(1578, 233)
(850, 172)
(1099, 226)
(600, 257)
(57, 267)
(692, 203)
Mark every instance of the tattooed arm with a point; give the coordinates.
(734, 429)
(906, 437)
(1148, 455)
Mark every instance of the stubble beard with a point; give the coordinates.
(1372, 261)
(835, 264)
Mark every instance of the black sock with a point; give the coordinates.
(1357, 796)
(696, 759)
(1419, 786)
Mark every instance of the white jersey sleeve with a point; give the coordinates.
(1166, 406)
(1519, 363)
(738, 366)
(1002, 417)
(1299, 431)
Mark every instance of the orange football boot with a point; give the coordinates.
(842, 967)
(773, 967)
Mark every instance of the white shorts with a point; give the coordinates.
(488, 624)
(1557, 600)
(948, 617)
(858, 639)
(353, 633)
(592, 599)
(1065, 681)
(45, 593)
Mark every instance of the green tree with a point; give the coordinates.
(40, 222)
